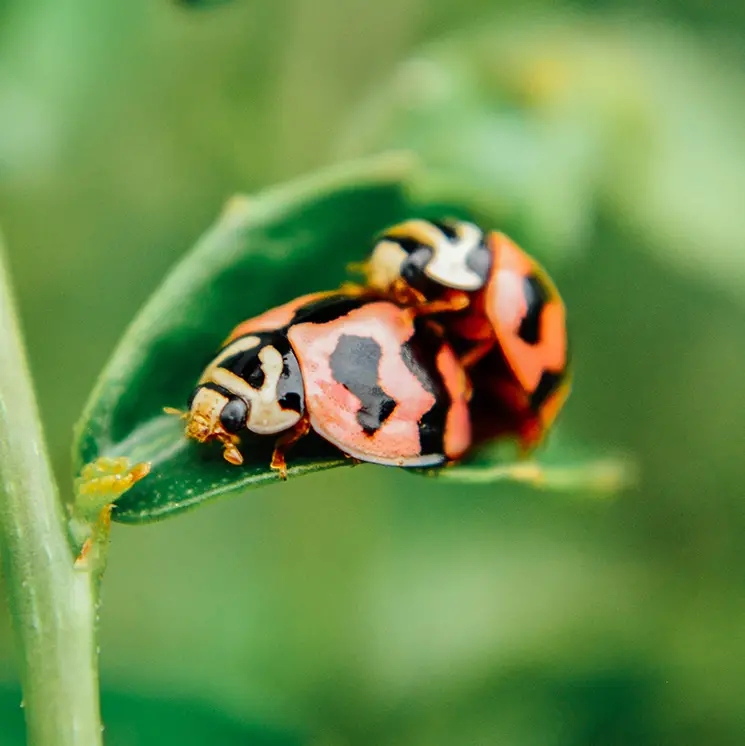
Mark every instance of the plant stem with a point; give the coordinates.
(53, 605)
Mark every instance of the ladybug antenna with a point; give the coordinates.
(358, 268)
(177, 412)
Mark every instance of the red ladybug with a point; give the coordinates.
(366, 375)
(497, 305)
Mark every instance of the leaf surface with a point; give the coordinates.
(263, 251)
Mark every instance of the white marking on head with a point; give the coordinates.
(448, 264)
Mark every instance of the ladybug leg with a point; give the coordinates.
(476, 353)
(405, 295)
(230, 448)
(285, 442)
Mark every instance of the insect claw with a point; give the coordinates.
(230, 448)
(232, 455)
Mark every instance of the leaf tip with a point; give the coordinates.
(105, 480)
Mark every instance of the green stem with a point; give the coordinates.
(53, 605)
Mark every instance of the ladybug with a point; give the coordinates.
(496, 304)
(366, 375)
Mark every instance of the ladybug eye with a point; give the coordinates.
(233, 415)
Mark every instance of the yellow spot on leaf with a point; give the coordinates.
(100, 484)
(109, 478)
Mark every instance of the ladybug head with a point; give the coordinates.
(254, 384)
(427, 254)
(216, 414)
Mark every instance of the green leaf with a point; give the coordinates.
(563, 465)
(263, 251)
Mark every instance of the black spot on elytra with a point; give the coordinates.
(549, 382)
(355, 363)
(420, 357)
(536, 296)
(387, 407)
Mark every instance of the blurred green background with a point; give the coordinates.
(367, 606)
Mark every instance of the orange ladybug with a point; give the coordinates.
(364, 374)
(497, 306)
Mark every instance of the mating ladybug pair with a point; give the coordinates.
(457, 337)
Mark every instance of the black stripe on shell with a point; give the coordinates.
(420, 357)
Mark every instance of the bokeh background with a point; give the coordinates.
(367, 606)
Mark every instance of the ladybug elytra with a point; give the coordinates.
(497, 304)
(364, 374)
